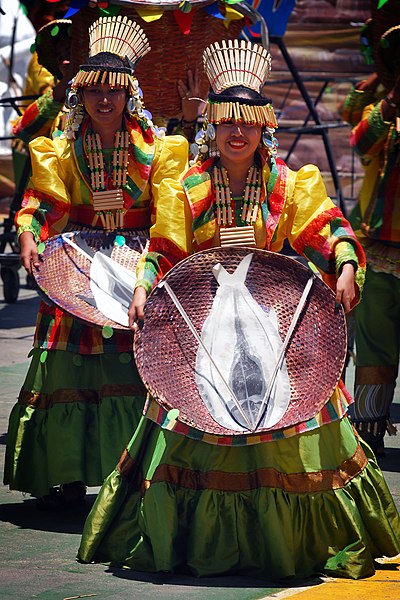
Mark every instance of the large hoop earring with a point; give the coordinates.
(131, 105)
(269, 141)
(72, 99)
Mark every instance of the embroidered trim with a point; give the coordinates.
(301, 483)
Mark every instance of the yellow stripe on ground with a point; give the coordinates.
(384, 585)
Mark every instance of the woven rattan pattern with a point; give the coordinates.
(165, 349)
(172, 53)
(64, 273)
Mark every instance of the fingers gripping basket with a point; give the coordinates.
(172, 52)
(166, 350)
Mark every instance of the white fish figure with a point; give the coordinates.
(111, 284)
(244, 343)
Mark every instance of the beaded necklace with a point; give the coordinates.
(237, 236)
(108, 203)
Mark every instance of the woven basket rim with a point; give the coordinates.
(63, 277)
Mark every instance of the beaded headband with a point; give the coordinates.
(238, 63)
(119, 36)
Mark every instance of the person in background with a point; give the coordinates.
(350, 110)
(373, 110)
(40, 13)
(44, 116)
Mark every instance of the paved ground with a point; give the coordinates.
(37, 550)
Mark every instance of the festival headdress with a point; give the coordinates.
(237, 71)
(119, 36)
(238, 64)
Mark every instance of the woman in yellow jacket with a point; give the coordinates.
(82, 396)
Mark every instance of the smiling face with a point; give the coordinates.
(238, 142)
(105, 105)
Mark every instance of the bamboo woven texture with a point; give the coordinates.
(64, 277)
(165, 349)
(172, 53)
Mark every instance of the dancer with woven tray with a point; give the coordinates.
(376, 218)
(82, 396)
(266, 501)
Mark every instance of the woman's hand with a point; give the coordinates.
(136, 309)
(345, 287)
(189, 92)
(59, 90)
(29, 253)
(370, 84)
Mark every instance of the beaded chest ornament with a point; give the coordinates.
(244, 235)
(108, 203)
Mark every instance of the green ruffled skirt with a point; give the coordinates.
(71, 421)
(313, 503)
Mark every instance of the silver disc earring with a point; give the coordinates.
(269, 140)
(130, 105)
(72, 100)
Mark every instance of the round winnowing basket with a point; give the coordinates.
(172, 52)
(64, 274)
(165, 348)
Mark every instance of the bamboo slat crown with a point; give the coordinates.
(123, 38)
(120, 36)
(236, 62)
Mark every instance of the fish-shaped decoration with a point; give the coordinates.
(111, 284)
(244, 344)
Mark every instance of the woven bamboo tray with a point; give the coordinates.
(64, 275)
(165, 349)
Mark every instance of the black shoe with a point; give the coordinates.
(378, 448)
(51, 501)
(68, 495)
(74, 492)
